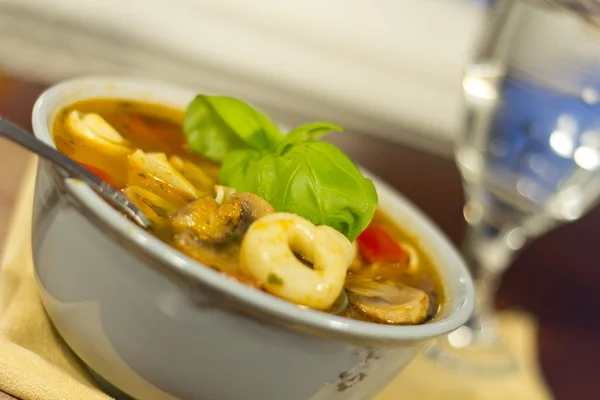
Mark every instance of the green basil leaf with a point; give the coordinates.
(239, 170)
(252, 126)
(206, 133)
(296, 173)
(312, 179)
(311, 132)
(214, 126)
(319, 182)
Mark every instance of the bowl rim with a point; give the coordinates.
(265, 304)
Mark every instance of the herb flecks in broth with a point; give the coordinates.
(209, 211)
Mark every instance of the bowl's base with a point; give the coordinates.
(102, 383)
(106, 386)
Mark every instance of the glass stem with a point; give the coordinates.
(488, 252)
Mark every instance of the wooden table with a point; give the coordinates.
(557, 278)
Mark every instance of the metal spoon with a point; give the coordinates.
(74, 170)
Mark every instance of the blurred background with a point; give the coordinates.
(377, 66)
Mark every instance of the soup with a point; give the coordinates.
(358, 264)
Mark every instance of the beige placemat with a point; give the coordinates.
(36, 365)
(426, 380)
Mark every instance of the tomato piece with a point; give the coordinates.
(99, 173)
(376, 244)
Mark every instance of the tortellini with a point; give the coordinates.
(270, 252)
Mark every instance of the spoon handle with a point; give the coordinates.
(74, 170)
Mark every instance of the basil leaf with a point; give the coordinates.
(315, 180)
(239, 170)
(319, 182)
(206, 133)
(252, 126)
(311, 132)
(307, 133)
(295, 173)
(214, 126)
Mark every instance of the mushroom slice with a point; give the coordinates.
(221, 256)
(253, 208)
(211, 231)
(153, 172)
(211, 221)
(208, 220)
(388, 302)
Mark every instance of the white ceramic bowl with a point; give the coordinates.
(156, 324)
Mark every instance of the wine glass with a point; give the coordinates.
(529, 154)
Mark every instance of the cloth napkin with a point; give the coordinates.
(36, 365)
(425, 380)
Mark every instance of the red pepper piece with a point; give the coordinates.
(376, 244)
